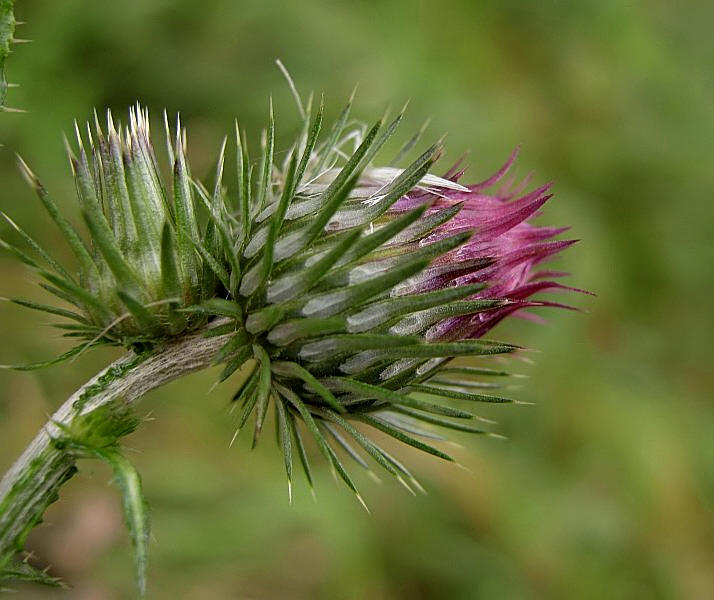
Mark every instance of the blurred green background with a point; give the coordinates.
(605, 487)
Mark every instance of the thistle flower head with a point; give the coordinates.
(346, 288)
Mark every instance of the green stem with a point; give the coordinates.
(34, 481)
(7, 31)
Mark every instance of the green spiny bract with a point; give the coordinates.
(142, 266)
(347, 288)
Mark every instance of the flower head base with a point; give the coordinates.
(346, 289)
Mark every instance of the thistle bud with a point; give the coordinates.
(347, 288)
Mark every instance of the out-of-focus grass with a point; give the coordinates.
(605, 488)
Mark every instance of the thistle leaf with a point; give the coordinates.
(263, 389)
(291, 369)
(285, 440)
(70, 235)
(170, 279)
(367, 391)
(473, 371)
(338, 346)
(302, 453)
(343, 443)
(322, 444)
(136, 509)
(456, 395)
(372, 449)
(392, 431)
(146, 320)
(266, 165)
(441, 421)
(37, 248)
(48, 363)
(335, 133)
(309, 145)
(291, 330)
(264, 268)
(332, 303)
(54, 310)
(244, 187)
(292, 285)
(380, 312)
(186, 228)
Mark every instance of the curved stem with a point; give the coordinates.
(33, 482)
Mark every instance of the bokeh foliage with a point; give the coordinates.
(606, 486)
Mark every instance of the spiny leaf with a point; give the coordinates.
(62, 312)
(473, 371)
(285, 441)
(211, 237)
(368, 391)
(79, 294)
(418, 322)
(322, 444)
(244, 187)
(409, 425)
(37, 248)
(330, 200)
(382, 235)
(349, 275)
(331, 303)
(328, 427)
(234, 363)
(263, 390)
(291, 369)
(219, 307)
(170, 279)
(215, 266)
(117, 188)
(99, 229)
(264, 319)
(146, 320)
(69, 233)
(335, 133)
(337, 346)
(292, 285)
(24, 571)
(148, 220)
(462, 383)
(304, 461)
(104, 239)
(48, 363)
(266, 164)
(450, 349)
(372, 449)
(456, 395)
(362, 213)
(295, 329)
(247, 396)
(309, 145)
(235, 345)
(186, 228)
(392, 431)
(406, 148)
(430, 222)
(333, 196)
(264, 268)
(228, 249)
(441, 421)
(169, 270)
(136, 510)
(380, 312)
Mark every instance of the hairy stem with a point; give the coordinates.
(33, 482)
